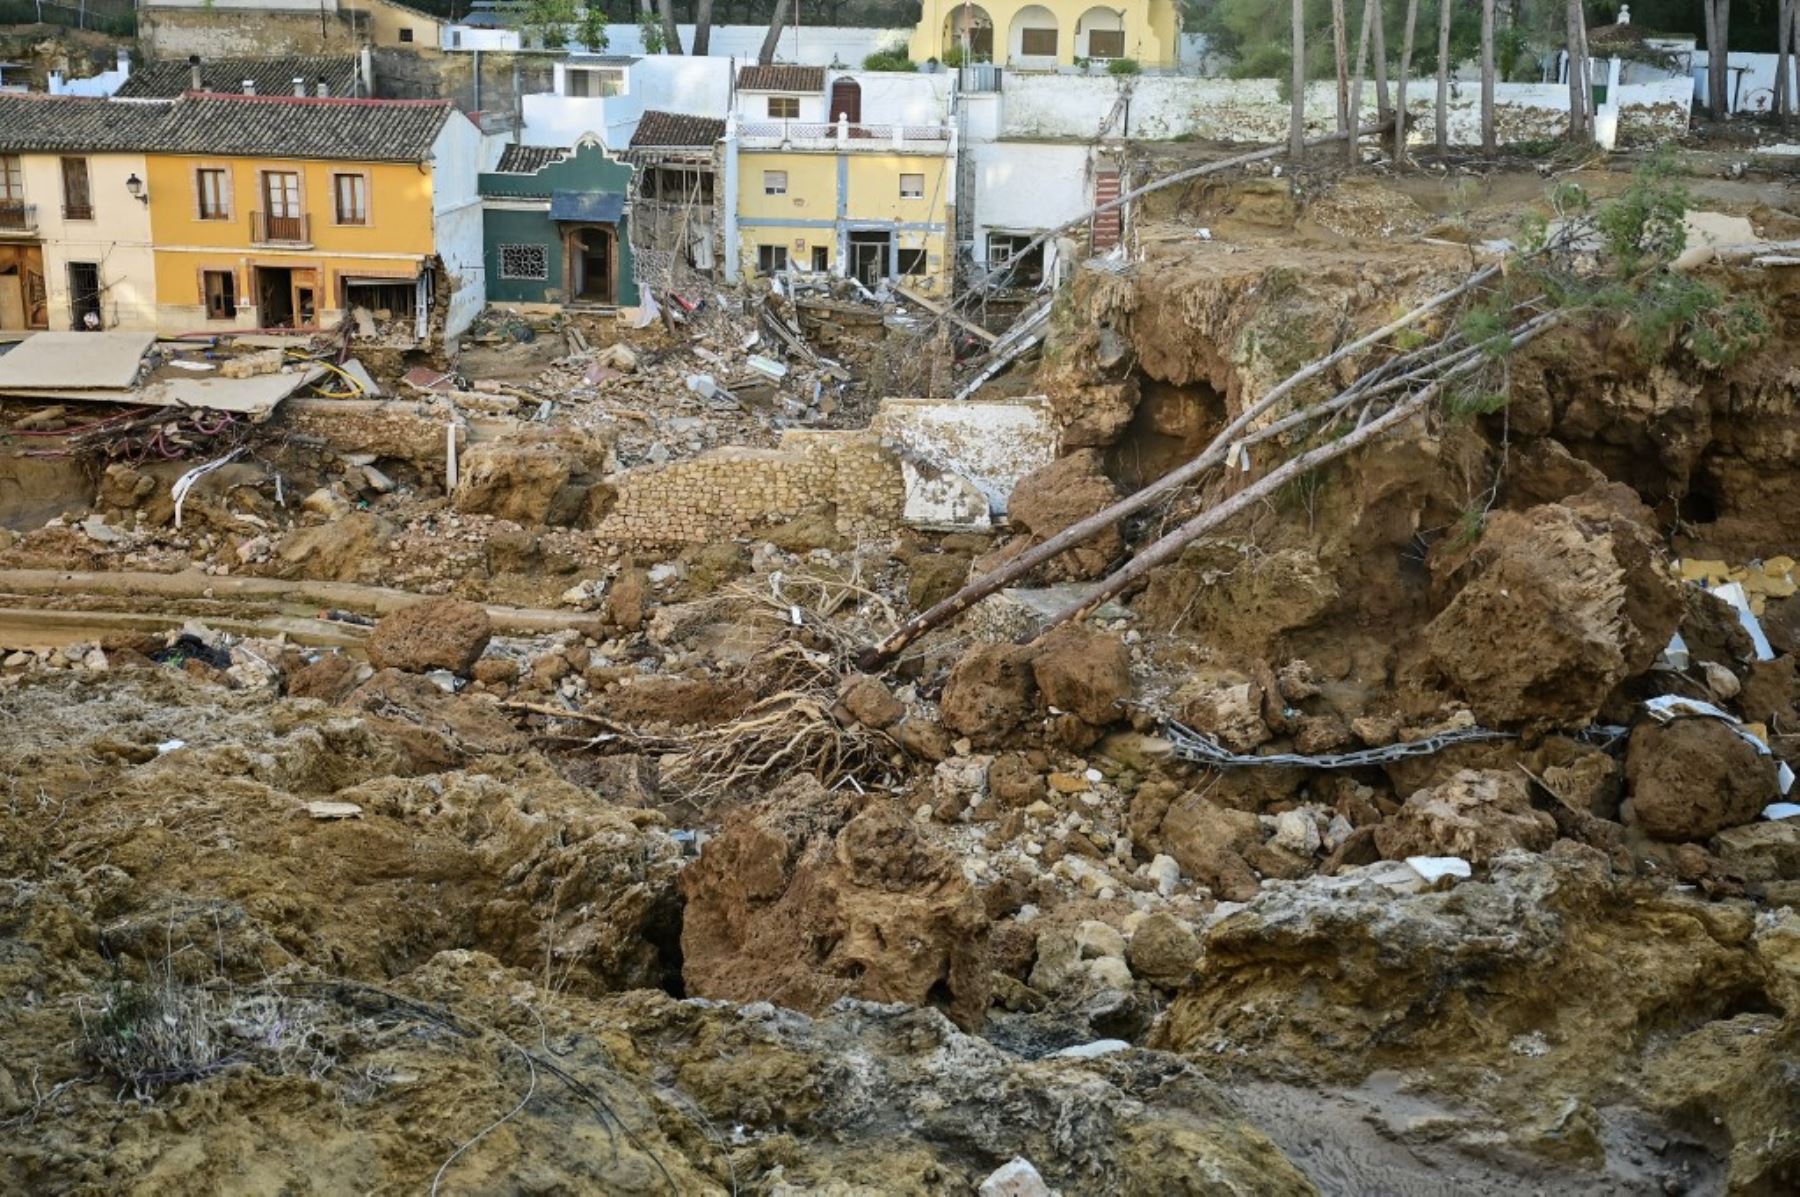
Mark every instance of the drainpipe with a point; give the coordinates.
(732, 249)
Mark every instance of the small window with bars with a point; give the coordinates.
(528, 262)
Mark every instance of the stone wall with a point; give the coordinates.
(735, 491)
(175, 33)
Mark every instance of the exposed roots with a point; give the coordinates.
(786, 733)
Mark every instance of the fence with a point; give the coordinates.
(117, 17)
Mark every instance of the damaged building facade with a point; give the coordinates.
(556, 227)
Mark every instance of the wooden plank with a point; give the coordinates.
(939, 309)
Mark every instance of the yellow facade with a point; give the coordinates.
(848, 211)
(290, 266)
(1045, 34)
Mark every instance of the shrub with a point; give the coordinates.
(891, 59)
(1123, 67)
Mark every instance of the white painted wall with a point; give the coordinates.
(1751, 83)
(753, 106)
(118, 238)
(1028, 187)
(103, 84)
(892, 98)
(468, 37)
(663, 83)
(456, 159)
(803, 44)
(267, 5)
(1253, 110)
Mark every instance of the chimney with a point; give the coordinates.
(299, 86)
(194, 80)
(249, 87)
(365, 78)
(324, 88)
(124, 61)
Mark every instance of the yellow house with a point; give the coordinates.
(301, 211)
(1045, 34)
(871, 201)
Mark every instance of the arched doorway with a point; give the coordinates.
(591, 251)
(969, 24)
(1034, 39)
(1100, 33)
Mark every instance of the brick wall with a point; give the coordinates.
(175, 33)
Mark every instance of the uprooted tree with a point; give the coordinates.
(1614, 262)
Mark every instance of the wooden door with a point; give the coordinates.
(281, 203)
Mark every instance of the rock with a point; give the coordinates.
(812, 896)
(815, 528)
(1721, 681)
(932, 577)
(1086, 673)
(518, 481)
(1164, 950)
(330, 678)
(1109, 972)
(1298, 832)
(1781, 624)
(989, 693)
(1766, 850)
(623, 607)
(869, 702)
(1013, 782)
(1052, 497)
(1474, 815)
(496, 671)
(1693, 778)
(349, 548)
(326, 502)
(1095, 939)
(1165, 873)
(924, 738)
(1015, 1178)
(1771, 692)
(1195, 829)
(1563, 605)
(1225, 705)
(1136, 750)
(441, 633)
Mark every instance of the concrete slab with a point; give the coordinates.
(74, 361)
(255, 396)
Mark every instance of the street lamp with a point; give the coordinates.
(135, 185)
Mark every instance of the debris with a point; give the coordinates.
(1435, 868)
(326, 811)
(1733, 593)
(185, 483)
(1015, 1178)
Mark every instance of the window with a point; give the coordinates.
(1037, 43)
(594, 82)
(1006, 252)
(220, 287)
(78, 200)
(912, 186)
(350, 196)
(281, 207)
(784, 108)
(771, 259)
(406, 35)
(12, 181)
(821, 259)
(209, 191)
(912, 261)
(774, 182)
(525, 262)
(1106, 43)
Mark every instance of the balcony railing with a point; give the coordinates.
(16, 217)
(78, 211)
(280, 230)
(843, 135)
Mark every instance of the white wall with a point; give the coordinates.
(893, 98)
(1750, 83)
(1253, 110)
(754, 106)
(118, 238)
(269, 5)
(103, 84)
(467, 37)
(456, 160)
(803, 44)
(1028, 187)
(664, 83)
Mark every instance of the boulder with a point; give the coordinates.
(1560, 606)
(1013, 782)
(1208, 842)
(345, 550)
(1766, 850)
(625, 599)
(330, 678)
(869, 702)
(1475, 815)
(812, 896)
(1227, 706)
(1163, 950)
(989, 693)
(513, 480)
(931, 577)
(1690, 779)
(1068, 490)
(440, 633)
(1083, 672)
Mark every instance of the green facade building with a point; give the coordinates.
(554, 227)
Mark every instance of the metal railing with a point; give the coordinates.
(16, 217)
(280, 230)
(841, 133)
(78, 211)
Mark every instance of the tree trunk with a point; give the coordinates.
(1406, 53)
(1297, 117)
(1783, 28)
(1443, 79)
(1487, 76)
(772, 39)
(672, 32)
(1353, 146)
(702, 27)
(1340, 51)
(1382, 111)
(1580, 94)
(1718, 65)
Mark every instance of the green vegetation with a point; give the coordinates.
(893, 58)
(1124, 67)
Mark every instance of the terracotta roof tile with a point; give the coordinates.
(294, 127)
(781, 78)
(528, 159)
(676, 129)
(33, 122)
(273, 76)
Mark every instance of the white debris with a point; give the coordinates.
(168, 746)
(1676, 655)
(1435, 868)
(1165, 872)
(1088, 1051)
(334, 810)
(1297, 831)
(1781, 810)
(1015, 1178)
(1733, 593)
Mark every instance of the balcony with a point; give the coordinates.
(294, 232)
(813, 135)
(17, 218)
(78, 211)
